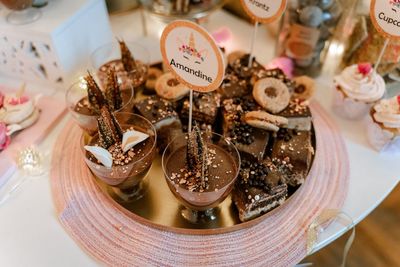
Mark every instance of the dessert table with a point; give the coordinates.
(31, 234)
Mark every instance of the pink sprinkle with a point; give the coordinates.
(18, 101)
(398, 99)
(364, 68)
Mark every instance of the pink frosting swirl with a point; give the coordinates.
(387, 112)
(4, 138)
(361, 83)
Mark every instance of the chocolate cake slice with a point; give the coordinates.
(292, 154)
(158, 111)
(205, 107)
(298, 114)
(232, 86)
(259, 189)
(161, 114)
(247, 139)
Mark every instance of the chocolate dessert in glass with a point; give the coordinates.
(121, 153)
(85, 100)
(200, 170)
(130, 61)
(22, 11)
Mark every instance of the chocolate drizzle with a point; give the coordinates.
(128, 61)
(197, 155)
(110, 131)
(95, 95)
(113, 92)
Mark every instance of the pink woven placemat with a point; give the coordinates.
(112, 235)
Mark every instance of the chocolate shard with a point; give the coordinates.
(127, 59)
(197, 154)
(110, 131)
(95, 95)
(113, 92)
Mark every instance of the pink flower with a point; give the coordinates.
(4, 138)
(364, 68)
(18, 101)
(1, 99)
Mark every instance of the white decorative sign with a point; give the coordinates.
(192, 55)
(385, 15)
(264, 11)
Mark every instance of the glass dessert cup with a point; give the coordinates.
(109, 56)
(201, 207)
(22, 11)
(86, 120)
(127, 181)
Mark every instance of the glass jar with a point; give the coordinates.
(306, 29)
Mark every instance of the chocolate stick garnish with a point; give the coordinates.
(197, 154)
(95, 95)
(113, 92)
(110, 131)
(128, 61)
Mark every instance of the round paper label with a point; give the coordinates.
(264, 11)
(192, 55)
(385, 15)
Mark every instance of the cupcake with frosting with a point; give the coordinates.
(357, 88)
(383, 125)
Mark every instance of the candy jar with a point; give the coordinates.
(306, 30)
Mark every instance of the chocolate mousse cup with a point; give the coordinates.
(126, 177)
(199, 205)
(131, 67)
(78, 105)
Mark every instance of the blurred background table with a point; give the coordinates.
(30, 234)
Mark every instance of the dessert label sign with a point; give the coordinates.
(192, 55)
(385, 15)
(264, 11)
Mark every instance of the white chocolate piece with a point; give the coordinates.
(132, 138)
(101, 154)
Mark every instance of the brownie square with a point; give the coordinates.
(298, 114)
(247, 139)
(158, 111)
(205, 107)
(292, 153)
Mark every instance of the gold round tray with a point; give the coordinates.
(160, 209)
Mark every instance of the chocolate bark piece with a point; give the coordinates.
(197, 154)
(292, 154)
(128, 61)
(247, 139)
(113, 92)
(95, 95)
(298, 114)
(158, 111)
(232, 86)
(110, 132)
(273, 73)
(205, 107)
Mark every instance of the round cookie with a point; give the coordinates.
(305, 88)
(272, 94)
(263, 120)
(168, 87)
(152, 76)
